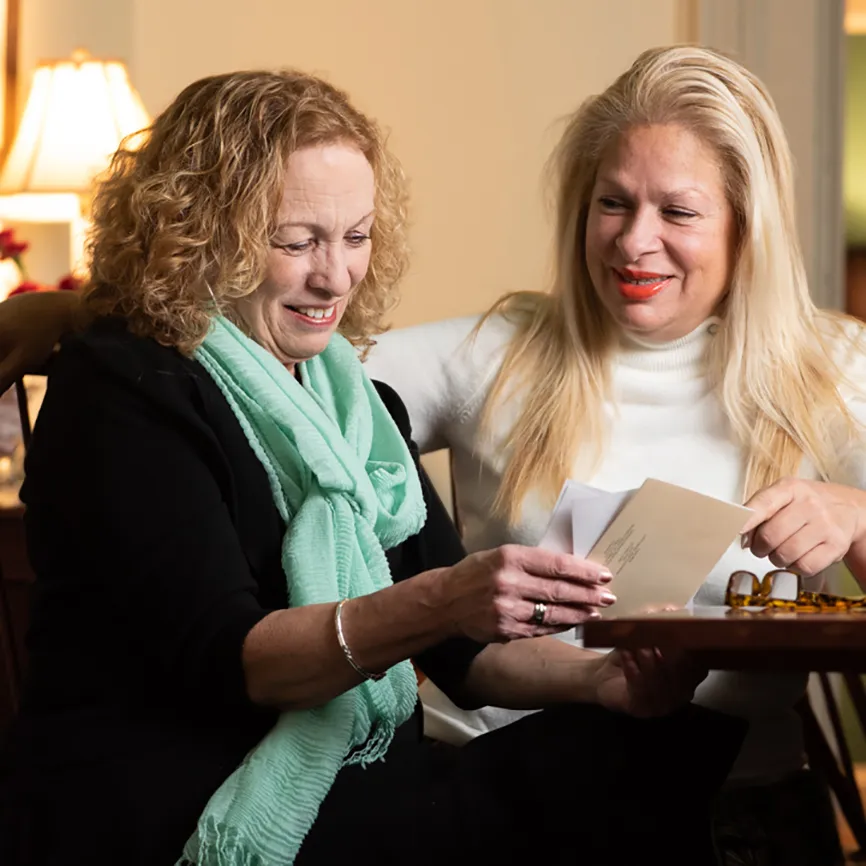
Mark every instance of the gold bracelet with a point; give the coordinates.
(338, 624)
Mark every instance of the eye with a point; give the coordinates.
(297, 248)
(610, 204)
(679, 214)
(357, 239)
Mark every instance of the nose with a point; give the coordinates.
(639, 234)
(330, 270)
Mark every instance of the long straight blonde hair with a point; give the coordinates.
(769, 363)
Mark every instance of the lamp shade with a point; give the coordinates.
(77, 113)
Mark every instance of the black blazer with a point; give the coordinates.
(156, 545)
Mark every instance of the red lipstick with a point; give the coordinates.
(640, 285)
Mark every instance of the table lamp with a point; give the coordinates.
(76, 115)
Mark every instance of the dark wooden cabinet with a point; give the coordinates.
(855, 282)
(16, 578)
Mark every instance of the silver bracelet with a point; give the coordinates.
(338, 624)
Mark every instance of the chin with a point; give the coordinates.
(640, 319)
(305, 349)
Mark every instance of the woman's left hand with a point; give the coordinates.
(805, 525)
(645, 682)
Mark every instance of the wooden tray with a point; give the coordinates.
(737, 639)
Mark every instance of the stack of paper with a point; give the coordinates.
(659, 541)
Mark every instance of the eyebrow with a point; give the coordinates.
(314, 227)
(673, 193)
(685, 191)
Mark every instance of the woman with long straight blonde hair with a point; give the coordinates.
(678, 340)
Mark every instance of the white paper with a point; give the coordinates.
(579, 518)
(581, 515)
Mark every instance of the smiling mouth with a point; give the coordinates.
(640, 285)
(315, 315)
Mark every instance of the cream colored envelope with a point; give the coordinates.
(663, 543)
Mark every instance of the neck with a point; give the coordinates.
(685, 352)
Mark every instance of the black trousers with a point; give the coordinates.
(572, 785)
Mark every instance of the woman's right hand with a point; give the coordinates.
(645, 682)
(491, 595)
(30, 326)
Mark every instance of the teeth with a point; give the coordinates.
(315, 312)
(644, 281)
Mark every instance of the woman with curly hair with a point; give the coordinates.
(237, 554)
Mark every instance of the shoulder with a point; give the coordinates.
(396, 408)
(444, 337)
(107, 377)
(139, 410)
(108, 344)
(107, 356)
(843, 338)
(844, 342)
(457, 356)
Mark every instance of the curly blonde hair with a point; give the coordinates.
(184, 217)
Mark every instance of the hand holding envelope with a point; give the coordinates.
(659, 541)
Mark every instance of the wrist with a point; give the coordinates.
(589, 685)
(350, 657)
(390, 625)
(437, 599)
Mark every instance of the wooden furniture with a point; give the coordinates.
(16, 576)
(727, 639)
(15, 579)
(855, 282)
(735, 639)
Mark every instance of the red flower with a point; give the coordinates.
(15, 248)
(69, 283)
(27, 286)
(9, 247)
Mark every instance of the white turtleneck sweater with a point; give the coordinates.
(665, 424)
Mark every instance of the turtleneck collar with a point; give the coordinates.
(686, 354)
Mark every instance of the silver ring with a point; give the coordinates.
(538, 613)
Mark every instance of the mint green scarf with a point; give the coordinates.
(345, 484)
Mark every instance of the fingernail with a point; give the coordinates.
(605, 576)
(594, 615)
(608, 598)
(745, 540)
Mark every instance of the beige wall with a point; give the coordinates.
(471, 90)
